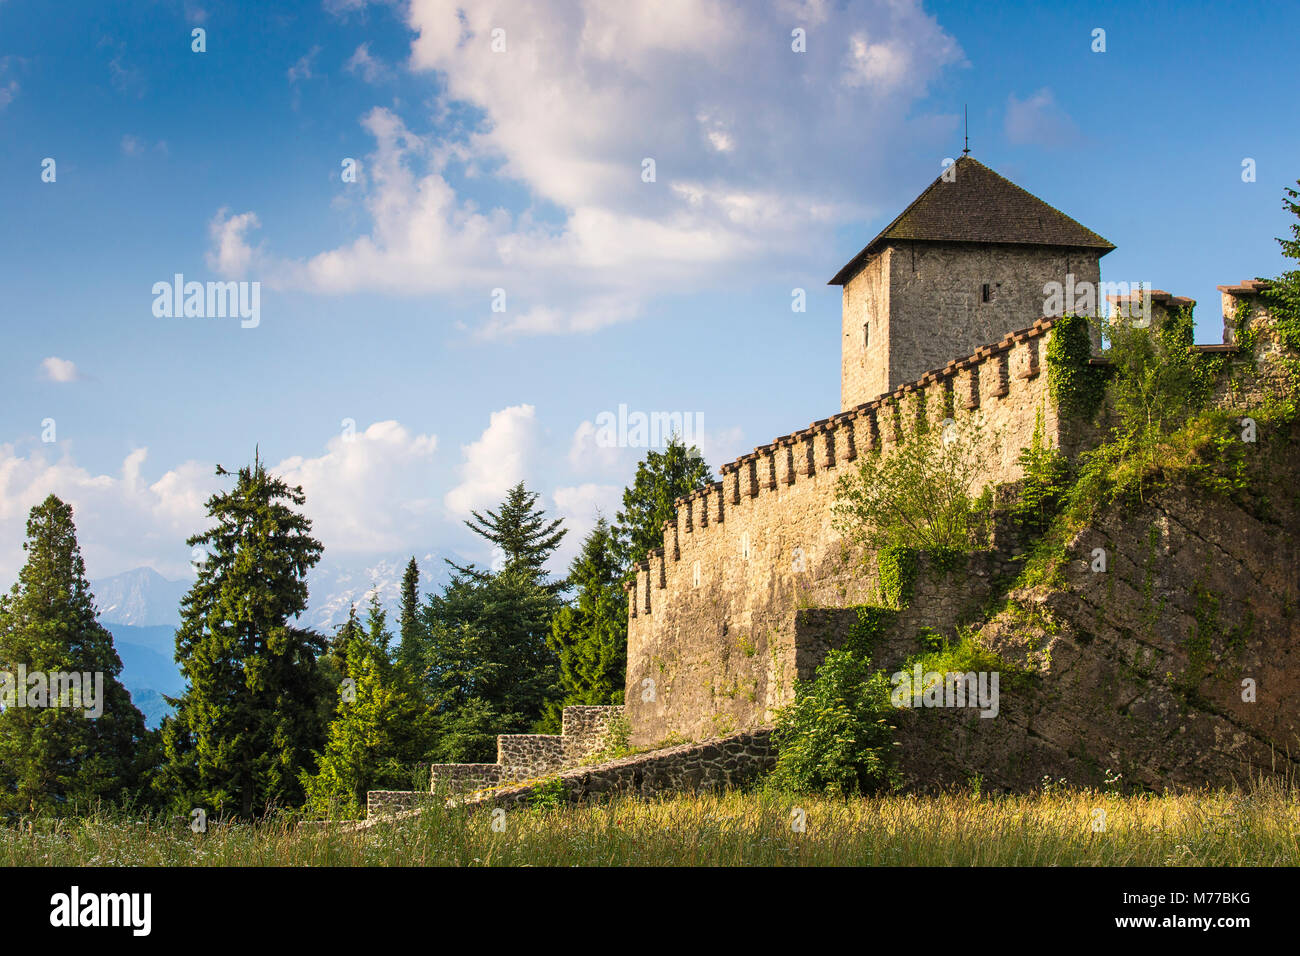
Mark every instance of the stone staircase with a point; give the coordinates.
(585, 732)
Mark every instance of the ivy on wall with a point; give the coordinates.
(897, 566)
(1076, 386)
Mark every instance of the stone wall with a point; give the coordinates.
(1178, 666)
(524, 756)
(864, 348)
(585, 731)
(464, 776)
(716, 765)
(388, 802)
(711, 631)
(936, 307)
(941, 599)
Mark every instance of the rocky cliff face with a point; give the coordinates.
(1178, 664)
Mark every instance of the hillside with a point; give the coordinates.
(1143, 670)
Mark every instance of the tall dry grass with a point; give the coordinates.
(1259, 826)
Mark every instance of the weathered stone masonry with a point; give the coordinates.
(711, 635)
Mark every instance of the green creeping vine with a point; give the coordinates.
(1076, 386)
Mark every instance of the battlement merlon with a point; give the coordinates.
(982, 383)
(1153, 304)
(1245, 293)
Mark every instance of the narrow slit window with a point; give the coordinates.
(986, 293)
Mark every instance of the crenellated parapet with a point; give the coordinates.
(740, 553)
(995, 374)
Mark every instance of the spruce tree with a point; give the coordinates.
(590, 637)
(249, 719)
(411, 645)
(489, 667)
(520, 529)
(58, 759)
(660, 480)
(379, 730)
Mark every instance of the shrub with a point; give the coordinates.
(836, 737)
(1046, 479)
(919, 496)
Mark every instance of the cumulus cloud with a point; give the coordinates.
(599, 447)
(582, 94)
(1038, 120)
(579, 506)
(230, 253)
(122, 520)
(367, 493)
(60, 370)
(495, 462)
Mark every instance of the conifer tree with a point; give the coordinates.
(249, 719)
(1283, 292)
(590, 637)
(411, 646)
(660, 480)
(489, 667)
(349, 630)
(520, 529)
(379, 730)
(57, 759)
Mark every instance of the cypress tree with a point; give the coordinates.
(55, 759)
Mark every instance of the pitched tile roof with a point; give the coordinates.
(978, 205)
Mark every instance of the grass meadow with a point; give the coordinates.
(1259, 826)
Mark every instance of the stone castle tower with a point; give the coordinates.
(960, 267)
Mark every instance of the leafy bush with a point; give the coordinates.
(918, 496)
(1045, 481)
(547, 795)
(836, 737)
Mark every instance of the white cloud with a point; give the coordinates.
(587, 454)
(302, 70)
(496, 462)
(370, 68)
(1040, 121)
(122, 521)
(583, 93)
(590, 455)
(579, 506)
(60, 370)
(231, 255)
(369, 491)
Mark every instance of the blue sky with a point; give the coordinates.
(521, 169)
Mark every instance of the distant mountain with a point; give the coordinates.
(140, 597)
(141, 609)
(335, 585)
(151, 704)
(149, 669)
